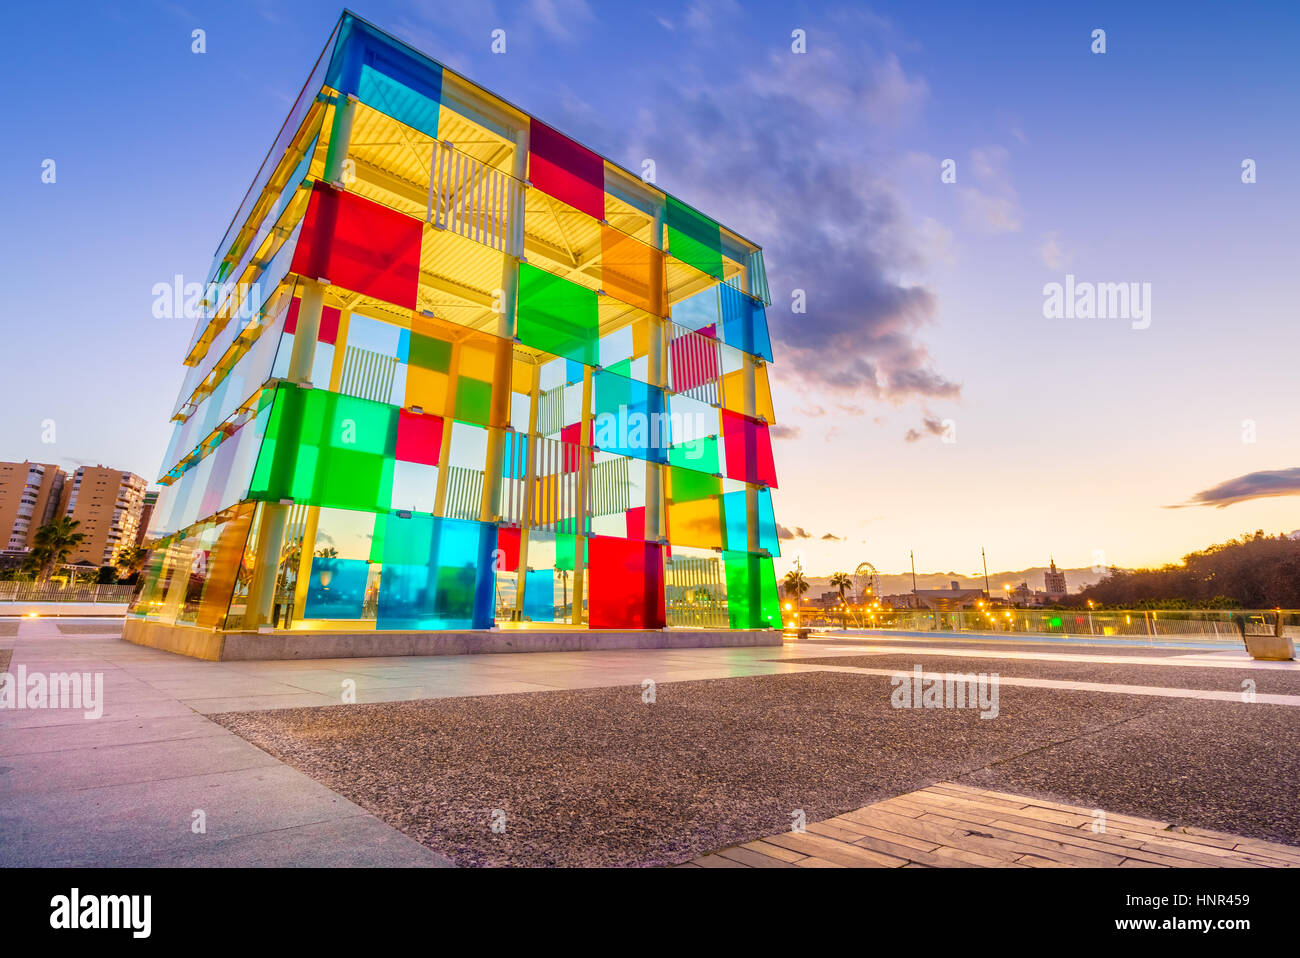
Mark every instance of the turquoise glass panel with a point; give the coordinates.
(337, 589)
(629, 417)
(539, 595)
(437, 573)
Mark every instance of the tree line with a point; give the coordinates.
(1250, 572)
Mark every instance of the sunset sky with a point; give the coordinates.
(924, 400)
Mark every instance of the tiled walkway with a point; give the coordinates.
(124, 789)
(953, 826)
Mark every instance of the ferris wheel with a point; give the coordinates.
(866, 581)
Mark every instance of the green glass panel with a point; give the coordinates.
(693, 238)
(565, 551)
(473, 400)
(429, 353)
(324, 449)
(752, 599)
(557, 316)
(686, 485)
(700, 455)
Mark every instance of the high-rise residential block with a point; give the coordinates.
(30, 494)
(107, 504)
(454, 371)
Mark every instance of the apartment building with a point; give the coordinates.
(107, 503)
(30, 495)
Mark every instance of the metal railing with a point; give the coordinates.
(55, 592)
(1198, 624)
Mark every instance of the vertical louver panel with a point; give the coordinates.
(475, 201)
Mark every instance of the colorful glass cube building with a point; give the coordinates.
(455, 371)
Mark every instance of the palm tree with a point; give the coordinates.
(796, 585)
(842, 581)
(131, 559)
(52, 545)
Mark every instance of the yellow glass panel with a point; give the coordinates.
(476, 361)
(697, 523)
(733, 393)
(426, 388)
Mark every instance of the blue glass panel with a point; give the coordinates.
(386, 76)
(539, 595)
(437, 573)
(734, 521)
(744, 323)
(337, 589)
(629, 417)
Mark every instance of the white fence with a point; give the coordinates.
(54, 592)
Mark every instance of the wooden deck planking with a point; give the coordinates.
(948, 825)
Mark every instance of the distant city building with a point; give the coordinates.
(1022, 595)
(1054, 583)
(950, 599)
(107, 503)
(146, 514)
(903, 600)
(30, 493)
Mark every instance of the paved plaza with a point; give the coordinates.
(590, 765)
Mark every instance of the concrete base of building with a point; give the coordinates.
(65, 609)
(238, 646)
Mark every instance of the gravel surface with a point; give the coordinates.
(1279, 681)
(1229, 767)
(106, 628)
(5, 656)
(8, 629)
(596, 777)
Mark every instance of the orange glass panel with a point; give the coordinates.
(631, 271)
(223, 567)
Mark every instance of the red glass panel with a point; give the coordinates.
(636, 522)
(569, 172)
(625, 584)
(419, 437)
(748, 448)
(571, 437)
(695, 362)
(360, 246)
(329, 322)
(508, 543)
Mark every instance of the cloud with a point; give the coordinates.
(832, 537)
(1052, 252)
(704, 15)
(992, 206)
(932, 424)
(783, 532)
(560, 18)
(782, 431)
(1253, 485)
(791, 153)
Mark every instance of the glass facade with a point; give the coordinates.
(457, 371)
